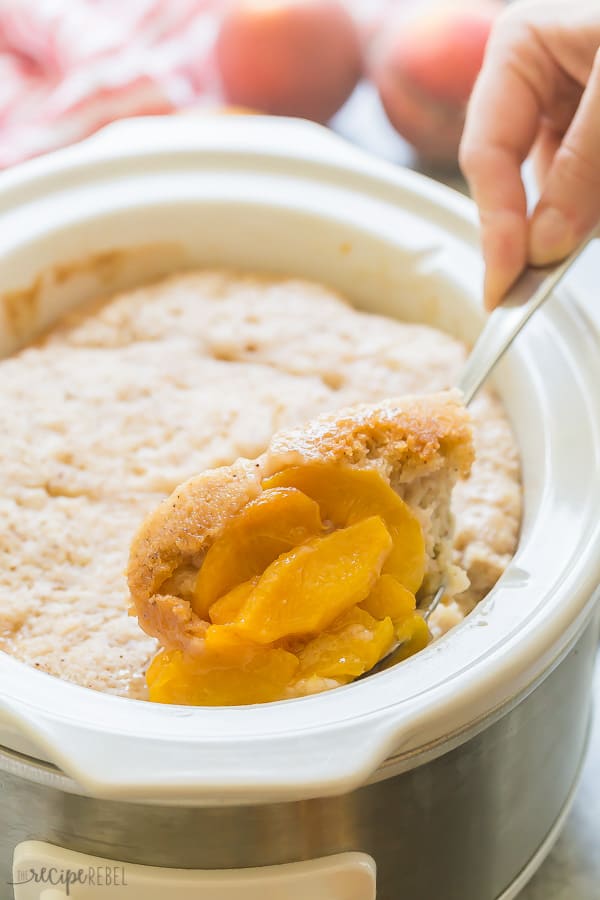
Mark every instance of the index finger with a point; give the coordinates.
(502, 122)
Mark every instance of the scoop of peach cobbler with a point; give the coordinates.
(299, 571)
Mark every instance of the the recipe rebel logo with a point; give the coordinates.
(65, 879)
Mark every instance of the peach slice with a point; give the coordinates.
(227, 608)
(355, 643)
(346, 495)
(276, 521)
(389, 598)
(413, 635)
(305, 590)
(224, 676)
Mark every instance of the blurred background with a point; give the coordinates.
(391, 75)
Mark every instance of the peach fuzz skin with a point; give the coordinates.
(424, 70)
(299, 58)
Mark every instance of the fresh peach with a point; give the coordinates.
(289, 57)
(425, 68)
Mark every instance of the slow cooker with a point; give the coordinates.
(447, 776)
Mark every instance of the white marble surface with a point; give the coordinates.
(572, 869)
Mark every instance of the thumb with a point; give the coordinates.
(570, 203)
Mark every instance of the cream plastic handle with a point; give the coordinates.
(343, 876)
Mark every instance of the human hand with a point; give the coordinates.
(538, 94)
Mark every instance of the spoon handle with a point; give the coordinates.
(528, 293)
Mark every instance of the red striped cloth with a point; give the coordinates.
(67, 68)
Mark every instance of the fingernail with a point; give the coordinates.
(492, 290)
(495, 285)
(551, 237)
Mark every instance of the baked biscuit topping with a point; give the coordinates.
(127, 397)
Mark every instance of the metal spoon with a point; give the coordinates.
(528, 293)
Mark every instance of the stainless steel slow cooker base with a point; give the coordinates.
(526, 874)
(461, 827)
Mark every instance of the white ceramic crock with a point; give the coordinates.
(149, 196)
(290, 197)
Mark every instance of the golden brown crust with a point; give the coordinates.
(413, 435)
(410, 437)
(186, 523)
